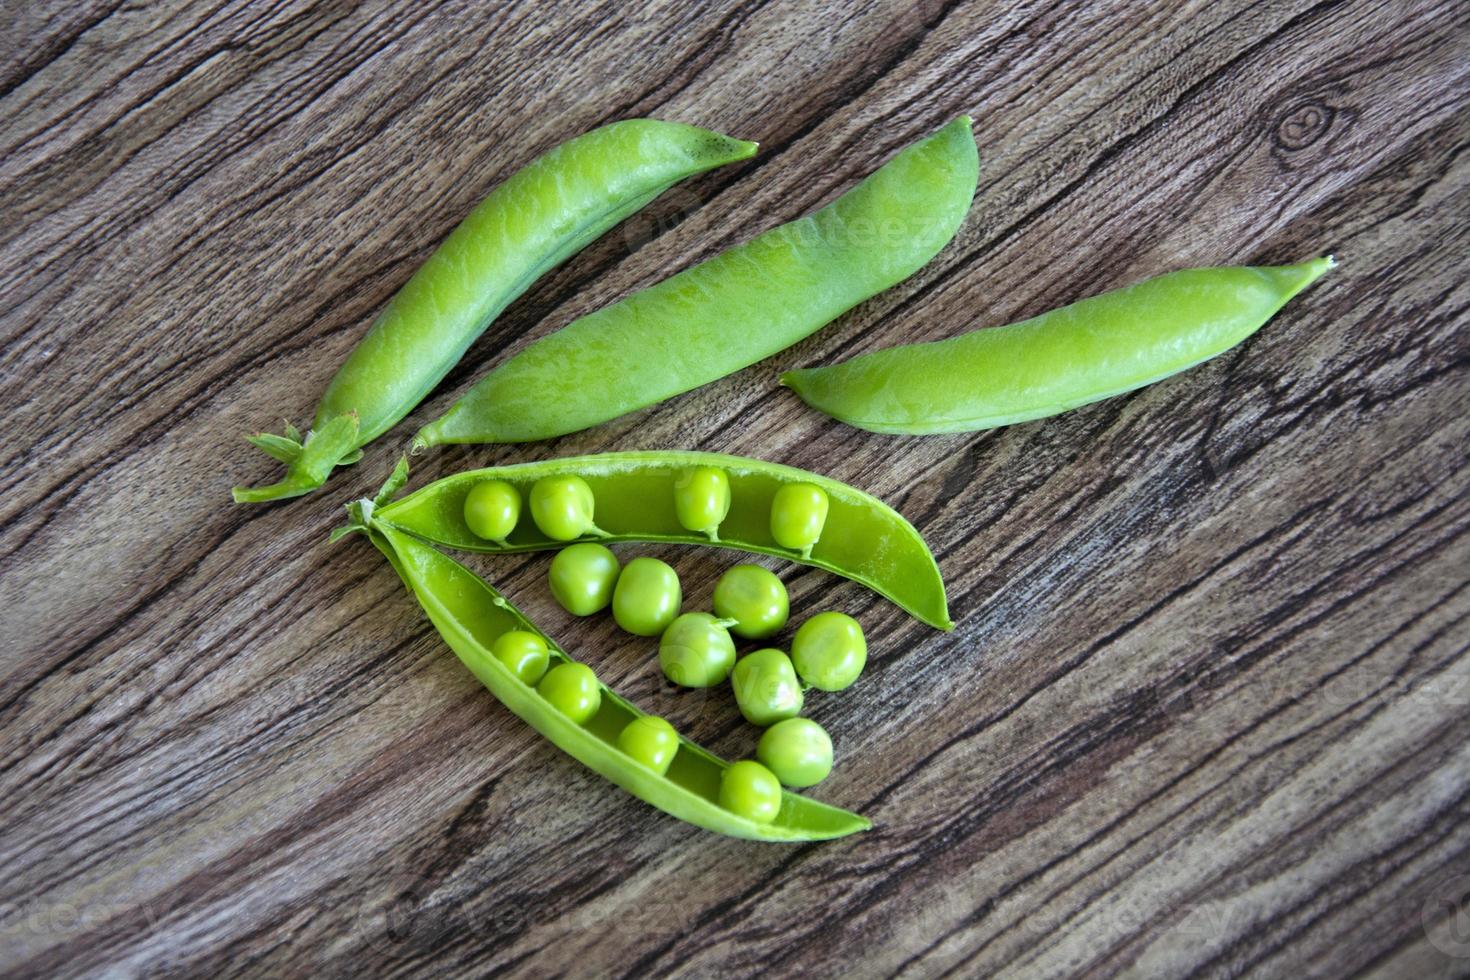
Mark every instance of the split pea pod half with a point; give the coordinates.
(537, 218)
(592, 723)
(1085, 352)
(730, 311)
(637, 498)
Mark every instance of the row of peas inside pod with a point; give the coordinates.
(573, 689)
(564, 507)
(696, 649)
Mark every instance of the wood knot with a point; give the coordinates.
(1304, 125)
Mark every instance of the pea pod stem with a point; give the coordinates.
(730, 311)
(532, 222)
(863, 539)
(469, 614)
(1093, 349)
(309, 463)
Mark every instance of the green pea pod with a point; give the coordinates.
(536, 219)
(730, 311)
(469, 614)
(863, 539)
(1093, 349)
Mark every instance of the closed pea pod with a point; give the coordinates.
(862, 539)
(469, 614)
(729, 311)
(529, 224)
(1090, 350)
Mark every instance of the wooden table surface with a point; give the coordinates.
(1207, 708)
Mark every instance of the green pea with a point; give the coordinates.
(647, 597)
(491, 510)
(651, 741)
(582, 577)
(766, 688)
(562, 507)
(702, 499)
(798, 513)
(798, 751)
(750, 790)
(523, 653)
(572, 689)
(829, 651)
(754, 598)
(696, 650)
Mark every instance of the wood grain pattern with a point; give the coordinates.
(1208, 705)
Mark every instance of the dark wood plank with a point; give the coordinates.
(1207, 706)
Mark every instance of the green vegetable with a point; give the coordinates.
(533, 221)
(730, 311)
(572, 689)
(492, 509)
(750, 790)
(582, 577)
(798, 751)
(524, 655)
(562, 508)
(766, 688)
(829, 651)
(647, 597)
(1094, 349)
(798, 513)
(650, 741)
(863, 540)
(696, 650)
(470, 616)
(753, 599)
(702, 499)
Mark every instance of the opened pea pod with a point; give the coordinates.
(536, 219)
(636, 496)
(563, 700)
